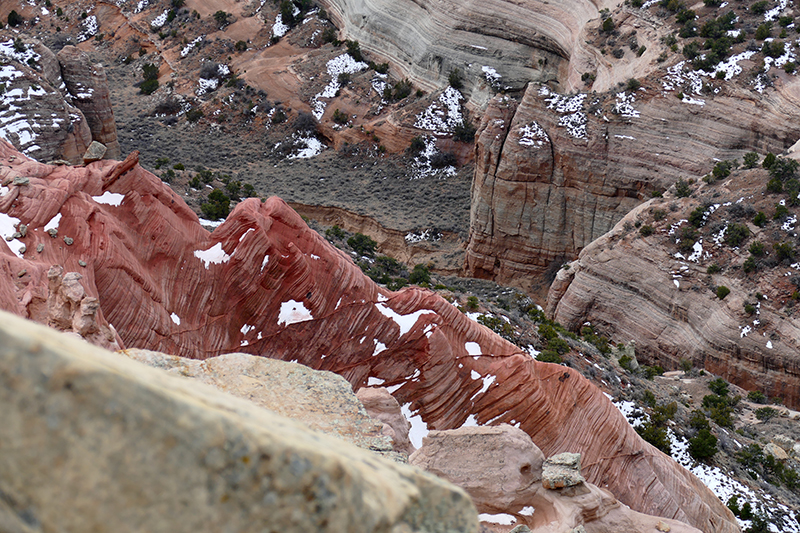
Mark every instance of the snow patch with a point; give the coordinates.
(109, 198)
(293, 312)
(419, 429)
(175, 318)
(214, 255)
(406, 322)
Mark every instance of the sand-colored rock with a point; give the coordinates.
(321, 400)
(499, 466)
(266, 284)
(94, 441)
(561, 471)
(34, 114)
(776, 451)
(543, 191)
(95, 152)
(88, 86)
(380, 405)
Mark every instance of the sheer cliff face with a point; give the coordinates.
(266, 284)
(425, 40)
(554, 173)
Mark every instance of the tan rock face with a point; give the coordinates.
(499, 466)
(88, 86)
(33, 113)
(323, 401)
(380, 405)
(557, 173)
(426, 40)
(266, 284)
(104, 443)
(605, 286)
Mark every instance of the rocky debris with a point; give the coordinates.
(499, 466)
(557, 172)
(321, 400)
(95, 152)
(70, 309)
(776, 451)
(562, 470)
(34, 115)
(101, 442)
(88, 86)
(382, 406)
(264, 283)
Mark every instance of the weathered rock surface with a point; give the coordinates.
(33, 113)
(380, 405)
(88, 86)
(670, 322)
(264, 283)
(562, 470)
(500, 467)
(550, 181)
(321, 400)
(97, 442)
(425, 40)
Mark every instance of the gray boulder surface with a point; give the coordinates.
(92, 441)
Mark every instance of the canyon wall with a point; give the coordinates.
(554, 173)
(264, 283)
(424, 40)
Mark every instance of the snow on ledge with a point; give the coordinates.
(215, 255)
(293, 312)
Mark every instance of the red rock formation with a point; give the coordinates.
(88, 85)
(543, 191)
(264, 283)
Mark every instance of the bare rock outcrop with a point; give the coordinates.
(88, 86)
(34, 115)
(424, 40)
(100, 442)
(506, 475)
(266, 284)
(556, 172)
(382, 406)
(321, 400)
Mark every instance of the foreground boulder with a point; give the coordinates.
(94, 442)
(500, 467)
(321, 400)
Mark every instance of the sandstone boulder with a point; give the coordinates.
(499, 466)
(382, 406)
(784, 441)
(321, 400)
(94, 441)
(776, 451)
(562, 470)
(95, 152)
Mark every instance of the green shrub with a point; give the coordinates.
(749, 265)
(749, 309)
(722, 292)
(646, 230)
(750, 160)
(769, 160)
(783, 168)
(419, 275)
(760, 219)
(652, 371)
(148, 86)
(354, 50)
(548, 356)
(15, 19)
(773, 49)
(464, 131)
(217, 206)
(454, 79)
(781, 212)
(756, 248)
(756, 396)
(546, 331)
(682, 188)
(240, 46)
(340, 118)
(608, 25)
(698, 420)
(417, 145)
(626, 362)
(763, 31)
(334, 232)
(633, 84)
(472, 303)
(703, 445)
(362, 244)
(221, 17)
(760, 7)
(719, 387)
(713, 268)
(697, 216)
(736, 234)
(784, 251)
(766, 413)
(179, 166)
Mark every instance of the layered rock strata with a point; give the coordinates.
(33, 112)
(495, 45)
(264, 283)
(88, 86)
(94, 441)
(554, 173)
(670, 319)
